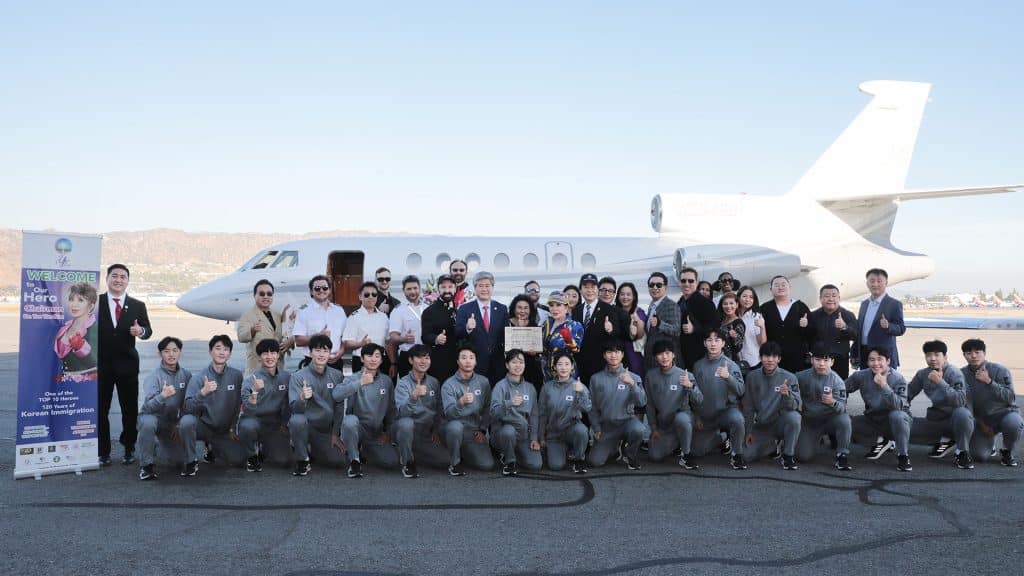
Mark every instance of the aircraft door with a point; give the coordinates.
(345, 269)
(558, 256)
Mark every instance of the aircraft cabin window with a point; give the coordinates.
(530, 260)
(559, 261)
(588, 261)
(472, 261)
(413, 261)
(501, 261)
(287, 259)
(265, 260)
(443, 260)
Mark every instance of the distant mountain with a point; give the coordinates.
(165, 260)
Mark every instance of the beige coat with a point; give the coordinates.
(253, 316)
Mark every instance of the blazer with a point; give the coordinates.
(118, 355)
(669, 325)
(591, 357)
(488, 344)
(892, 309)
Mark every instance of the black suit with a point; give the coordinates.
(590, 359)
(119, 368)
(704, 317)
(437, 318)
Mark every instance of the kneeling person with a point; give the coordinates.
(419, 425)
(886, 409)
(995, 404)
(563, 401)
(948, 416)
(514, 417)
(466, 399)
(671, 398)
(211, 409)
(721, 381)
(369, 407)
(163, 396)
(771, 408)
(265, 410)
(824, 408)
(615, 394)
(315, 420)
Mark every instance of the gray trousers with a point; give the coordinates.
(812, 429)
(895, 426)
(308, 439)
(1010, 426)
(678, 435)
(359, 439)
(573, 439)
(786, 428)
(155, 431)
(458, 438)
(253, 430)
(416, 445)
(191, 429)
(632, 431)
(729, 420)
(959, 426)
(515, 448)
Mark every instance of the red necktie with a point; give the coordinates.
(487, 318)
(117, 309)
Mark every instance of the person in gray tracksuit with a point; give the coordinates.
(163, 397)
(514, 413)
(615, 393)
(368, 402)
(771, 408)
(721, 381)
(950, 414)
(563, 401)
(466, 400)
(671, 398)
(264, 413)
(886, 409)
(420, 424)
(990, 392)
(212, 398)
(315, 421)
(823, 395)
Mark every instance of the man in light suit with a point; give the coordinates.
(663, 319)
(879, 322)
(260, 323)
(482, 323)
(122, 319)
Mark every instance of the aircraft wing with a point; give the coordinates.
(965, 323)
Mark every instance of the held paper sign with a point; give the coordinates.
(529, 339)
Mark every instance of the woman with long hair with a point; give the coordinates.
(735, 328)
(523, 313)
(754, 333)
(560, 332)
(627, 298)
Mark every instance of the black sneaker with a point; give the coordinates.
(880, 448)
(129, 458)
(727, 447)
(209, 457)
(738, 463)
(963, 460)
(632, 463)
(509, 469)
(941, 448)
(1007, 458)
(355, 469)
(645, 446)
(104, 460)
(253, 464)
(689, 462)
(190, 468)
(843, 463)
(409, 470)
(579, 467)
(147, 473)
(903, 464)
(302, 468)
(789, 462)
(456, 470)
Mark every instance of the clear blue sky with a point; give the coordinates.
(246, 116)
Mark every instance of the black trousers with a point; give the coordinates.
(127, 386)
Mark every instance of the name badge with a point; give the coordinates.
(383, 391)
(673, 387)
(231, 386)
(569, 398)
(477, 392)
(280, 387)
(622, 386)
(330, 385)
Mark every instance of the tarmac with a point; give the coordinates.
(659, 520)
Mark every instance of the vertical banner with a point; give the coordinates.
(57, 354)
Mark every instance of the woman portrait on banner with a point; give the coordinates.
(560, 332)
(76, 341)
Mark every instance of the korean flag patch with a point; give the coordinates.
(622, 386)
(673, 387)
(431, 392)
(526, 398)
(569, 398)
(182, 385)
(231, 386)
(280, 387)
(330, 385)
(383, 391)
(477, 391)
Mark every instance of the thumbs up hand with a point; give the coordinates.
(209, 386)
(840, 325)
(136, 330)
(687, 326)
(685, 381)
(784, 389)
(367, 378)
(880, 380)
(935, 376)
(654, 320)
(255, 328)
(471, 324)
(167, 389)
(803, 321)
(883, 323)
(722, 371)
(441, 339)
(608, 325)
(307, 391)
(409, 336)
(257, 384)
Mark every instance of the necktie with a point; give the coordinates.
(117, 309)
(487, 318)
(586, 315)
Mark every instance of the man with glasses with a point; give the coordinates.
(367, 325)
(386, 303)
(532, 291)
(600, 328)
(458, 269)
(698, 316)
(606, 293)
(322, 316)
(260, 323)
(662, 319)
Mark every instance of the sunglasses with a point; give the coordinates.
(369, 294)
(688, 280)
(656, 285)
(532, 291)
(320, 288)
(264, 293)
(384, 279)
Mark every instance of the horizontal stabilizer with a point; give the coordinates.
(925, 194)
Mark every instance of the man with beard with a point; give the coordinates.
(438, 331)
(699, 317)
(405, 325)
(458, 269)
(323, 317)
